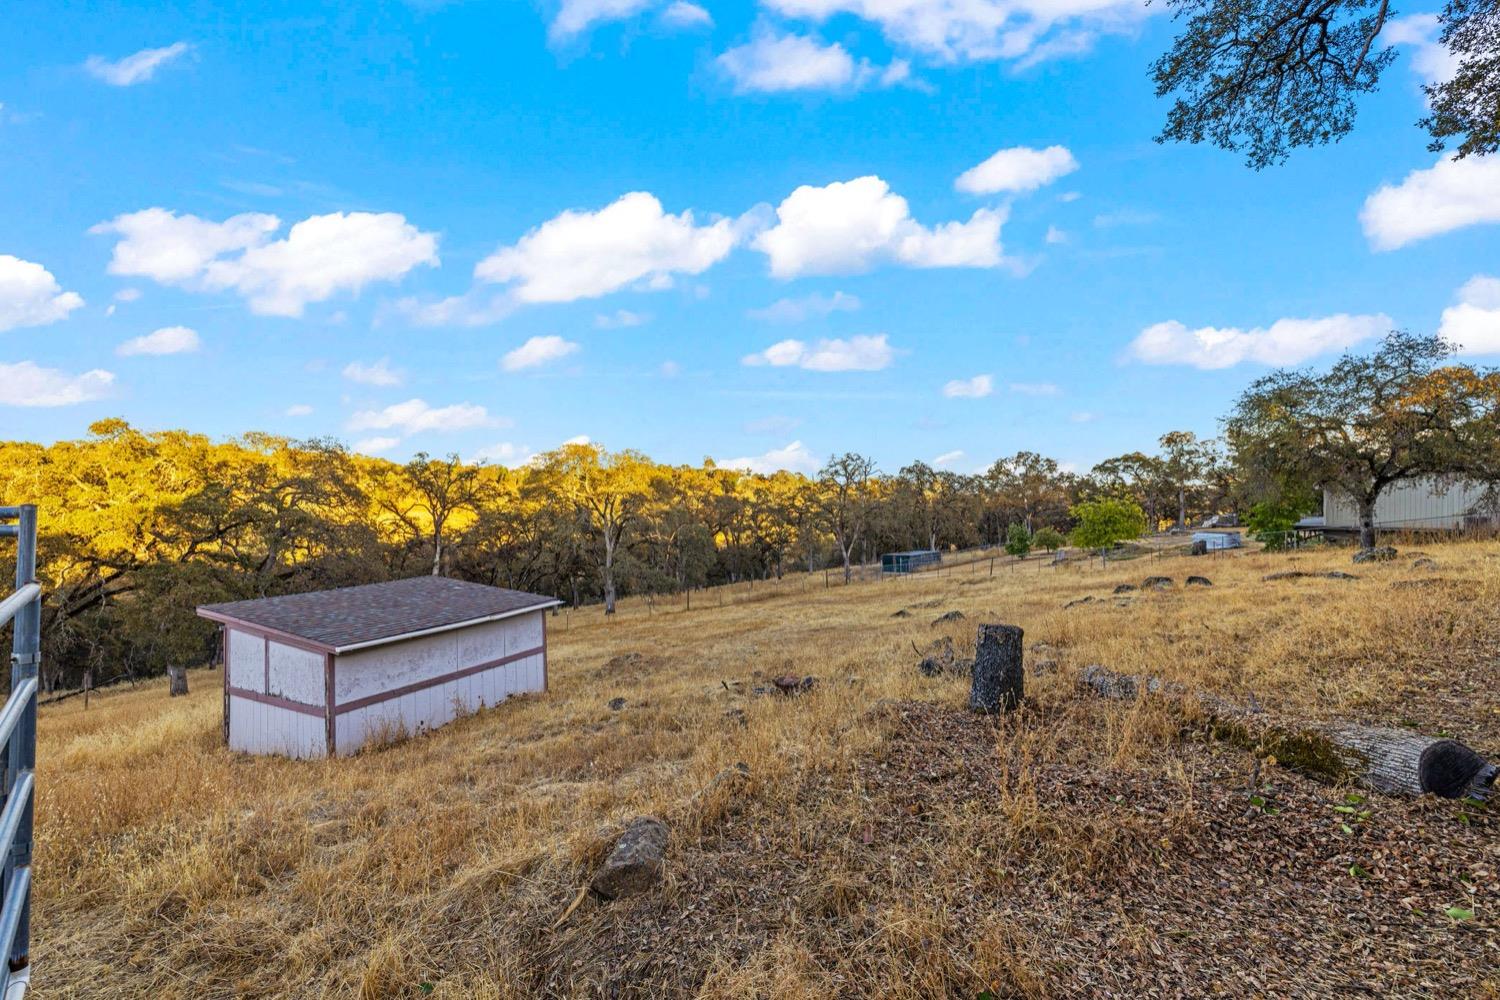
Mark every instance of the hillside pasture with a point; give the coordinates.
(885, 843)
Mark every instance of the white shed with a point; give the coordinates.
(1422, 504)
(319, 674)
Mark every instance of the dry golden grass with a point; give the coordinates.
(169, 867)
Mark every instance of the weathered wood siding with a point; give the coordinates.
(420, 684)
(263, 672)
(255, 727)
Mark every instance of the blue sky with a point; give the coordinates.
(919, 229)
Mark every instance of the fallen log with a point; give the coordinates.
(1385, 760)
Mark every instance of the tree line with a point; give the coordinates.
(138, 527)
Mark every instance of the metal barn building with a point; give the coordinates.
(320, 674)
(1421, 504)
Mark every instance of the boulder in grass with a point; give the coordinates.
(1124, 588)
(615, 704)
(1381, 553)
(951, 616)
(635, 864)
(1157, 583)
(1199, 581)
(1424, 562)
(1080, 600)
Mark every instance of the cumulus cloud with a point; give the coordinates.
(948, 457)
(473, 308)
(376, 445)
(24, 383)
(1430, 58)
(860, 353)
(536, 352)
(1056, 236)
(135, 68)
(1018, 169)
(1473, 324)
(850, 226)
(415, 416)
(1451, 194)
(807, 307)
(378, 373)
(504, 453)
(795, 457)
(581, 255)
(686, 15)
(975, 30)
(31, 296)
(320, 256)
(1285, 342)
(969, 388)
(167, 340)
(772, 63)
(574, 17)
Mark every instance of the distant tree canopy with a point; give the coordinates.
(1106, 521)
(1371, 421)
(1268, 76)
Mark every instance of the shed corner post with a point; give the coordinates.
(330, 716)
(546, 678)
(224, 666)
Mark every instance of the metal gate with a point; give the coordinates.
(18, 734)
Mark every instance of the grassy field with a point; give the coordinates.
(886, 844)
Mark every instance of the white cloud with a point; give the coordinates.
(1018, 169)
(25, 384)
(686, 15)
(957, 30)
(321, 256)
(536, 352)
(127, 295)
(378, 373)
(1430, 58)
(1034, 388)
(1473, 325)
(136, 68)
(969, 388)
(1452, 194)
(1125, 217)
(1082, 416)
(948, 457)
(850, 226)
(31, 296)
(574, 17)
(376, 445)
(1285, 342)
(578, 439)
(167, 340)
(298, 410)
(795, 457)
(470, 309)
(1056, 236)
(415, 416)
(580, 255)
(620, 319)
(807, 307)
(772, 63)
(860, 353)
(504, 453)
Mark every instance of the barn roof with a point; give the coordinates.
(348, 618)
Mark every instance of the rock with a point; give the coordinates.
(1043, 667)
(1338, 574)
(940, 658)
(636, 862)
(1199, 581)
(1431, 581)
(1198, 548)
(951, 616)
(792, 684)
(615, 704)
(1425, 563)
(737, 716)
(903, 613)
(1081, 600)
(1157, 582)
(1124, 588)
(1381, 553)
(629, 659)
(1302, 574)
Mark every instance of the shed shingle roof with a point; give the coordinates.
(376, 612)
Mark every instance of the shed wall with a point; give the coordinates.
(256, 727)
(1411, 504)
(247, 660)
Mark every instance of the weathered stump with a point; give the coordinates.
(1199, 548)
(177, 681)
(636, 862)
(998, 678)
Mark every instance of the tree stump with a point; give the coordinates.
(998, 679)
(177, 681)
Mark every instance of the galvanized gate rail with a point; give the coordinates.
(18, 734)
